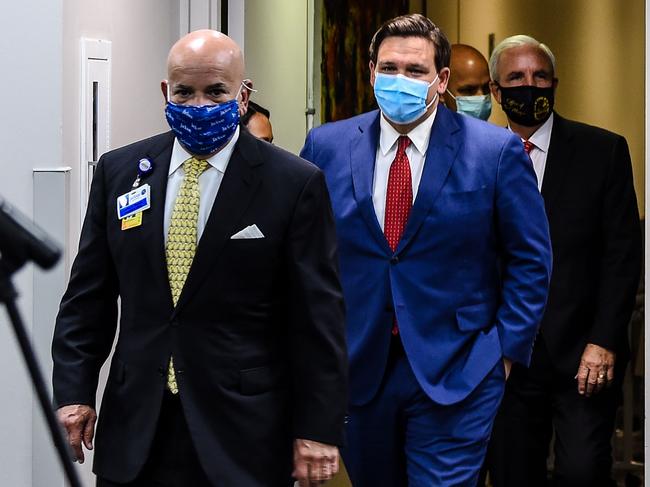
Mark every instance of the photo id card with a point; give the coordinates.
(134, 201)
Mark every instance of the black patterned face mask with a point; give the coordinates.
(527, 105)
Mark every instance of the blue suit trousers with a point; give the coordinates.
(402, 438)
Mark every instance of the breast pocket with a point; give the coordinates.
(467, 215)
(251, 251)
(250, 264)
(467, 202)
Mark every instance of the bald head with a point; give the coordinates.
(204, 48)
(470, 75)
(205, 67)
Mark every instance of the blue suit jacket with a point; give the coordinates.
(469, 279)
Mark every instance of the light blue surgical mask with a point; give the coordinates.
(402, 99)
(477, 106)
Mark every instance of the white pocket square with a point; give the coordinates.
(250, 231)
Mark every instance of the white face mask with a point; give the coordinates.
(477, 106)
(402, 99)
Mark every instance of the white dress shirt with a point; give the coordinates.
(209, 181)
(386, 152)
(541, 139)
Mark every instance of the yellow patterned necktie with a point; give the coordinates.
(182, 239)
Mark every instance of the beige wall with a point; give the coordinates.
(276, 61)
(599, 48)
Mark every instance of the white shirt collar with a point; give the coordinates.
(541, 139)
(542, 136)
(219, 161)
(419, 135)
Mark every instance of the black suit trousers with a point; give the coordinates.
(537, 401)
(172, 461)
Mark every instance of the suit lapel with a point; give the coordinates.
(441, 153)
(560, 155)
(363, 151)
(236, 191)
(154, 233)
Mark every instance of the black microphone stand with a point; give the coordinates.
(8, 294)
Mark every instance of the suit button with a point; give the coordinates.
(394, 259)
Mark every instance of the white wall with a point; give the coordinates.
(39, 128)
(30, 136)
(141, 33)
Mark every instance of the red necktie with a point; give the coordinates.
(399, 198)
(399, 194)
(528, 146)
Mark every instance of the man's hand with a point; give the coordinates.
(313, 462)
(596, 369)
(79, 423)
(507, 365)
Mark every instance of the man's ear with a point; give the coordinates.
(371, 66)
(496, 92)
(163, 87)
(443, 79)
(245, 95)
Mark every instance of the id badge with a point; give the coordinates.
(132, 221)
(134, 201)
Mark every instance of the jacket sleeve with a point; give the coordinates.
(525, 254)
(316, 318)
(307, 151)
(620, 263)
(87, 318)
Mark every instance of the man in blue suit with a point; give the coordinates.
(445, 260)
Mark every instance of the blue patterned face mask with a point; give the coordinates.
(202, 130)
(402, 99)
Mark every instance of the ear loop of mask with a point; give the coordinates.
(436, 96)
(244, 84)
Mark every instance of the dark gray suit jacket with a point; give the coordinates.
(258, 333)
(596, 237)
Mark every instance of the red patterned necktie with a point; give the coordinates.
(528, 146)
(399, 194)
(399, 199)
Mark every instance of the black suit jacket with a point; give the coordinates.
(258, 333)
(596, 237)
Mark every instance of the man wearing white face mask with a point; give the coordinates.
(468, 90)
(445, 261)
